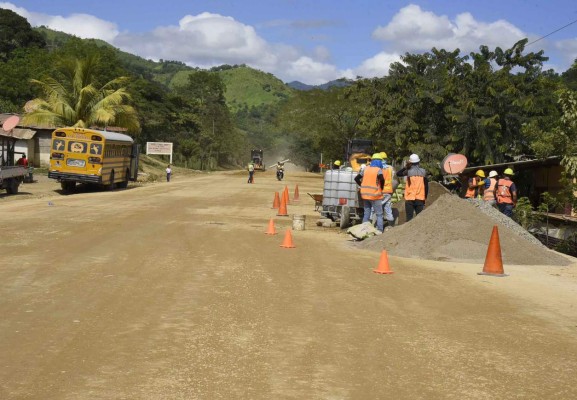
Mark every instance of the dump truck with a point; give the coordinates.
(256, 156)
(11, 176)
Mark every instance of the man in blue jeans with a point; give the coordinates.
(371, 182)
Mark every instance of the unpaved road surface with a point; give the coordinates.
(173, 291)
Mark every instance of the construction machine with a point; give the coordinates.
(358, 152)
(257, 158)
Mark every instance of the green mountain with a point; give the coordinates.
(245, 86)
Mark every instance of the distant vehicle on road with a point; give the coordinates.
(78, 155)
(257, 158)
(358, 152)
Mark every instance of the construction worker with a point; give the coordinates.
(476, 185)
(336, 165)
(388, 189)
(417, 186)
(506, 193)
(250, 172)
(371, 181)
(490, 186)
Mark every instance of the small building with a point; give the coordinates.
(34, 141)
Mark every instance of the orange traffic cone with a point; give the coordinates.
(383, 267)
(493, 261)
(282, 210)
(288, 240)
(285, 194)
(271, 230)
(276, 202)
(296, 196)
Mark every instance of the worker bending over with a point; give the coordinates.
(416, 187)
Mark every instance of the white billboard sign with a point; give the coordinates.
(159, 148)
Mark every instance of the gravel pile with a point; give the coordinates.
(454, 229)
(499, 217)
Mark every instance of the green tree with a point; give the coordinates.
(77, 99)
(15, 33)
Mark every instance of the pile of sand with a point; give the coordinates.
(452, 229)
(436, 190)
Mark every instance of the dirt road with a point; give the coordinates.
(173, 291)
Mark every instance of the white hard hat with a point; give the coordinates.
(414, 158)
(492, 174)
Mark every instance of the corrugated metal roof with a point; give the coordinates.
(516, 165)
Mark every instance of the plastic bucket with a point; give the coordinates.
(299, 222)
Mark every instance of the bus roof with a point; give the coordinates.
(107, 135)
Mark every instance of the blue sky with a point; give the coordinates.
(310, 41)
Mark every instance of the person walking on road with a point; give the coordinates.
(476, 185)
(250, 172)
(388, 188)
(371, 181)
(506, 193)
(416, 186)
(490, 186)
(168, 173)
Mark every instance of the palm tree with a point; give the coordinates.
(78, 101)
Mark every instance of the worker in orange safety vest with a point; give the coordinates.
(506, 193)
(490, 187)
(371, 181)
(388, 189)
(416, 187)
(476, 185)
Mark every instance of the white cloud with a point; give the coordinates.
(82, 25)
(413, 29)
(377, 66)
(568, 49)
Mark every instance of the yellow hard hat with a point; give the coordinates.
(337, 162)
(480, 173)
(377, 156)
(509, 171)
(383, 155)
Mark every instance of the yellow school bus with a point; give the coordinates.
(79, 155)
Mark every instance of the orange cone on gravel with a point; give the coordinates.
(285, 194)
(276, 201)
(271, 230)
(493, 261)
(288, 240)
(383, 267)
(282, 210)
(296, 196)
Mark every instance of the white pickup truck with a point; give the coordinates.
(11, 177)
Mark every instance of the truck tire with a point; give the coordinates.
(12, 187)
(345, 221)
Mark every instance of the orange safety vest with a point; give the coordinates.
(490, 191)
(388, 175)
(504, 191)
(472, 193)
(415, 188)
(370, 189)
